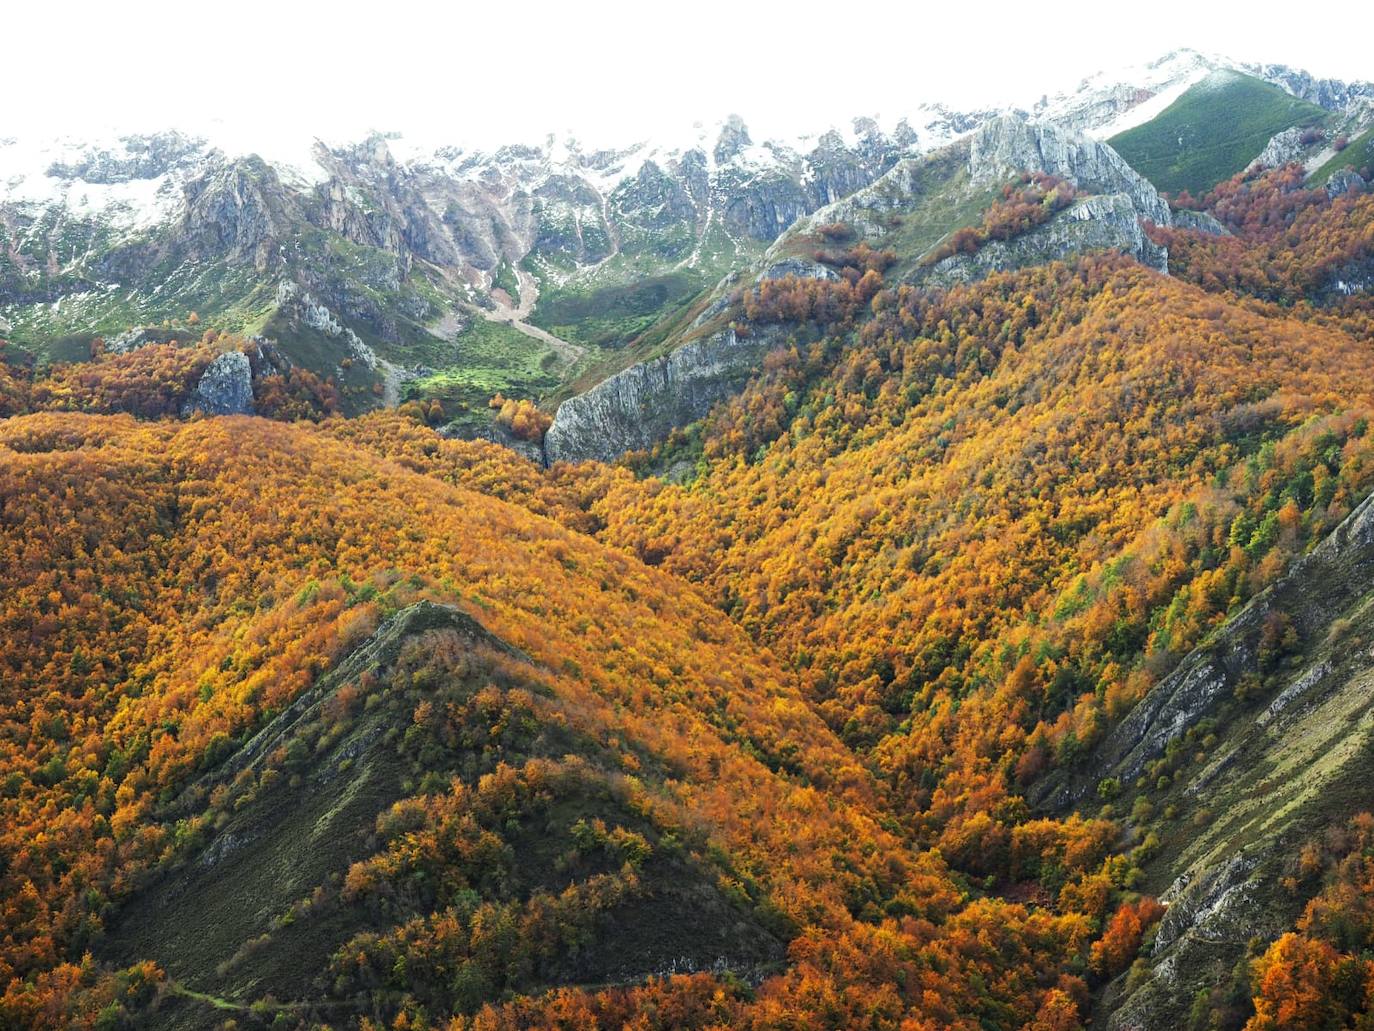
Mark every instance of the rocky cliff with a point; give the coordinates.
(638, 407)
(1282, 148)
(1105, 222)
(909, 209)
(920, 200)
(1246, 750)
(1009, 145)
(224, 388)
(1199, 222)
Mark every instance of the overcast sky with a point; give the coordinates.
(478, 74)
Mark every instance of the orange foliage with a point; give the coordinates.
(984, 527)
(521, 417)
(1320, 975)
(1290, 244)
(169, 583)
(151, 382)
(956, 536)
(1113, 952)
(1024, 205)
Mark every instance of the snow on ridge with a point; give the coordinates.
(131, 180)
(604, 168)
(1110, 102)
(30, 176)
(1147, 109)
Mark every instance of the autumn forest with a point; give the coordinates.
(779, 741)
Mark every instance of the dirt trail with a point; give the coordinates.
(515, 317)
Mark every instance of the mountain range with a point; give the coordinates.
(910, 576)
(565, 261)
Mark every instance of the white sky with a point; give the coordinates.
(476, 74)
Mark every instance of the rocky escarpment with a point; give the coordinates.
(1345, 180)
(1291, 144)
(237, 211)
(1258, 741)
(1318, 588)
(1102, 222)
(1199, 222)
(876, 211)
(394, 243)
(966, 176)
(920, 200)
(1010, 145)
(224, 388)
(638, 407)
(1111, 217)
(1331, 94)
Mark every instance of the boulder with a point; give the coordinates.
(225, 387)
(1346, 180)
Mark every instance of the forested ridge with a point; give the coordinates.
(942, 544)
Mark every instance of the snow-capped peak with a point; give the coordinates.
(1107, 103)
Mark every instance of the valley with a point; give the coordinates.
(909, 576)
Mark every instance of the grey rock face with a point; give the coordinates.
(300, 307)
(734, 137)
(998, 151)
(799, 268)
(1331, 94)
(1288, 758)
(1346, 180)
(225, 387)
(129, 340)
(240, 211)
(1199, 222)
(870, 211)
(1011, 145)
(1282, 148)
(1213, 917)
(638, 407)
(1326, 579)
(1104, 222)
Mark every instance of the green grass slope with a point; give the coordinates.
(1357, 154)
(1211, 132)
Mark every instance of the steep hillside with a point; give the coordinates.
(1242, 768)
(900, 430)
(1071, 616)
(1282, 242)
(915, 223)
(939, 600)
(269, 694)
(1212, 131)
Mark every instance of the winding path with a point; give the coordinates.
(515, 318)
